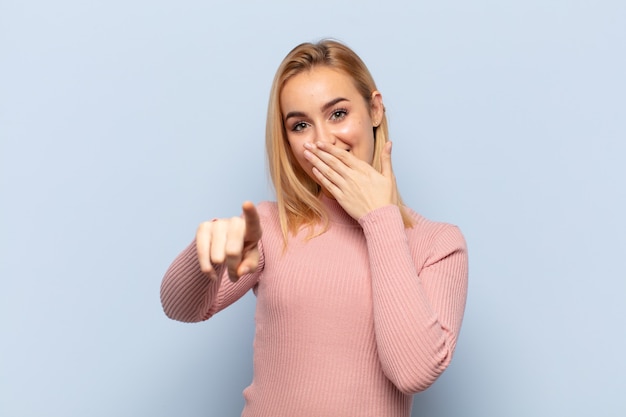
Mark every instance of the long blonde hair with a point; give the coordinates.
(297, 195)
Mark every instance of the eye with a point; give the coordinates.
(338, 114)
(298, 127)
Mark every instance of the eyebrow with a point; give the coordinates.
(325, 107)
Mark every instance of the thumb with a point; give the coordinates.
(385, 161)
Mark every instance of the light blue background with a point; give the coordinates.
(123, 124)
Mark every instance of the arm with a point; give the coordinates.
(221, 265)
(418, 303)
(417, 317)
(190, 295)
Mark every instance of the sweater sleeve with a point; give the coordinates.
(188, 295)
(418, 306)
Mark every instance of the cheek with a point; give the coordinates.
(297, 149)
(360, 137)
(357, 133)
(369, 155)
(349, 132)
(366, 148)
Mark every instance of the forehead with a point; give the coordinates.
(317, 85)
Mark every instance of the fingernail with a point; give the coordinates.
(307, 154)
(245, 270)
(308, 145)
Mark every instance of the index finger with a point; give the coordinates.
(341, 154)
(253, 223)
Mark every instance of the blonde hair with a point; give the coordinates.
(297, 195)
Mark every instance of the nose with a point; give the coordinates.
(325, 134)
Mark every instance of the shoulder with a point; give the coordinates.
(434, 234)
(268, 215)
(271, 243)
(267, 210)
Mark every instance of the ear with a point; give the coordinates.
(377, 109)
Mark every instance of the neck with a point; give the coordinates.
(336, 213)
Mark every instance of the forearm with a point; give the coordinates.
(416, 317)
(187, 294)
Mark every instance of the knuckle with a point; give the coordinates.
(232, 251)
(217, 259)
(204, 226)
(236, 223)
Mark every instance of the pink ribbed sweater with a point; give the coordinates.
(350, 323)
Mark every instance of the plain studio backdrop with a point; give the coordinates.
(124, 124)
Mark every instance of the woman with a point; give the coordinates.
(359, 299)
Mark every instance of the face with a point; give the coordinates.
(323, 105)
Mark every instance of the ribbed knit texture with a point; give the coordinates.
(350, 323)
